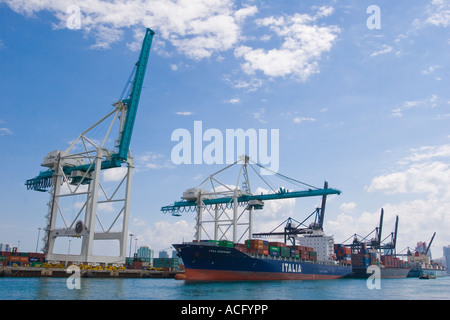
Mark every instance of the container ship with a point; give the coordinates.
(421, 263)
(376, 252)
(390, 265)
(305, 253)
(257, 259)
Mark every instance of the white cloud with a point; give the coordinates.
(385, 49)
(114, 174)
(423, 175)
(347, 206)
(259, 115)
(427, 178)
(162, 234)
(250, 85)
(429, 152)
(233, 101)
(304, 43)
(303, 119)
(197, 28)
(5, 132)
(151, 160)
(431, 69)
(424, 103)
(439, 13)
(184, 113)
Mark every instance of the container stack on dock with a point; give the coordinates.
(21, 259)
(167, 264)
(34, 264)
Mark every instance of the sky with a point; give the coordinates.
(358, 92)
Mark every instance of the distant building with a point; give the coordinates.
(163, 254)
(145, 253)
(5, 247)
(447, 257)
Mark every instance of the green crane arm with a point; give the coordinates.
(281, 194)
(133, 101)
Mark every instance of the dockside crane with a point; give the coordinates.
(221, 204)
(375, 243)
(73, 173)
(429, 245)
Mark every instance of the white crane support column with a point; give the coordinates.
(91, 212)
(126, 213)
(53, 208)
(198, 234)
(235, 216)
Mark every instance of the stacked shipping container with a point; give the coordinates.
(32, 259)
(277, 249)
(393, 262)
(343, 254)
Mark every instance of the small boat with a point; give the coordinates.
(427, 276)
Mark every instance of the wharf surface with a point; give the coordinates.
(8, 271)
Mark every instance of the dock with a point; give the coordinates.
(12, 271)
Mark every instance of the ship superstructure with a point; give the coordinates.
(421, 262)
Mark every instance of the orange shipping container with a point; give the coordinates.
(18, 259)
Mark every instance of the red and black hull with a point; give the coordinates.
(205, 262)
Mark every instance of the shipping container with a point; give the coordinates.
(226, 243)
(6, 253)
(18, 259)
(34, 259)
(285, 252)
(165, 262)
(36, 264)
(277, 244)
(274, 253)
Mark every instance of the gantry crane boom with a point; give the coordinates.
(133, 101)
(281, 194)
(429, 245)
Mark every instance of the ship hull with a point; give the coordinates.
(214, 263)
(416, 272)
(385, 273)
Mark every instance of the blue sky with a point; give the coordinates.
(366, 109)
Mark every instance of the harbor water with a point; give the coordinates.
(12, 288)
